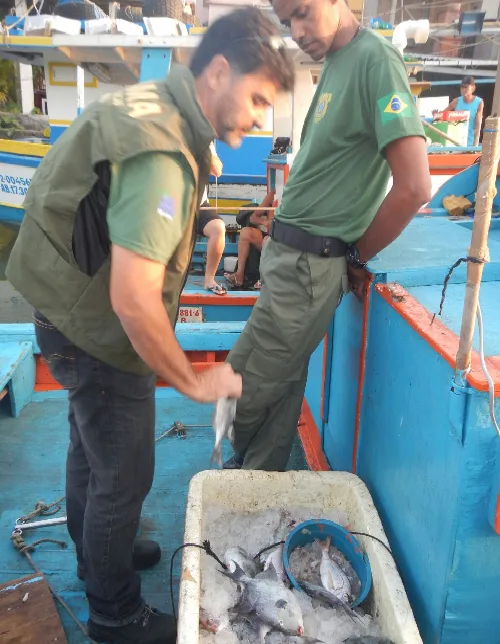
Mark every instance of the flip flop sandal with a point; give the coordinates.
(217, 289)
(232, 279)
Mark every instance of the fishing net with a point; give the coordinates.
(163, 8)
(79, 10)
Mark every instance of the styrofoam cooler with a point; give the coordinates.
(252, 491)
(230, 264)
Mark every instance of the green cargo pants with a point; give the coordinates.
(298, 298)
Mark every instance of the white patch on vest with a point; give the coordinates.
(166, 207)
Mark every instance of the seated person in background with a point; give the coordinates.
(253, 236)
(214, 229)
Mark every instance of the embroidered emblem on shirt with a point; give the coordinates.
(322, 106)
(166, 207)
(394, 106)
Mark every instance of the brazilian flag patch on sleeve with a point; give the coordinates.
(394, 106)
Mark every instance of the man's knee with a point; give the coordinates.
(215, 229)
(247, 234)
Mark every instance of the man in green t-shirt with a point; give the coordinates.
(334, 216)
(102, 255)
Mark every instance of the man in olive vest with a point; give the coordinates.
(102, 256)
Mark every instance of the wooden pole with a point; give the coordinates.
(445, 136)
(486, 191)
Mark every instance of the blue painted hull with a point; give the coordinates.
(426, 450)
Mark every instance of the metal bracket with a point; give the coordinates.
(155, 63)
(44, 523)
(457, 409)
(177, 429)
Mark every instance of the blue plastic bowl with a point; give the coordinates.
(341, 539)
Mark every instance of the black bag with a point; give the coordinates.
(252, 266)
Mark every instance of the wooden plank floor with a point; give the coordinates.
(28, 613)
(32, 460)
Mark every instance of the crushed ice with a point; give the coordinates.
(254, 531)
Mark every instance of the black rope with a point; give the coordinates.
(278, 543)
(207, 548)
(473, 260)
(365, 534)
(400, 572)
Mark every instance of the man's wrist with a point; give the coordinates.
(354, 258)
(190, 385)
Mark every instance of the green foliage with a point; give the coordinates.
(7, 84)
(9, 125)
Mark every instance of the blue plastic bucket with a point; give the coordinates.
(341, 539)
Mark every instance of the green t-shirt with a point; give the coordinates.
(150, 221)
(339, 177)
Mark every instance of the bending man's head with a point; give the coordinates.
(239, 67)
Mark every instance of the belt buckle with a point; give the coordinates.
(326, 248)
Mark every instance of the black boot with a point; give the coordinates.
(234, 463)
(152, 627)
(146, 554)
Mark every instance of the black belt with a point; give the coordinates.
(301, 240)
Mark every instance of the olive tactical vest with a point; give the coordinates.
(162, 116)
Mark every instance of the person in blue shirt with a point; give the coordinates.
(470, 103)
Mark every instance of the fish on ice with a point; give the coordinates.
(268, 603)
(222, 423)
(333, 577)
(275, 559)
(318, 592)
(241, 557)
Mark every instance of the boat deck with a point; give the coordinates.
(32, 461)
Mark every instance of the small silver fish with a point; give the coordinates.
(368, 639)
(318, 592)
(241, 557)
(333, 577)
(270, 601)
(222, 423)
(275, 559)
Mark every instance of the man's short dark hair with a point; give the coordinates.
(249, 41)
(468, 80)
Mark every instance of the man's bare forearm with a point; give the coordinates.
(395, 213)
(153, 337)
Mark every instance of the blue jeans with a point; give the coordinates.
(109, 470)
